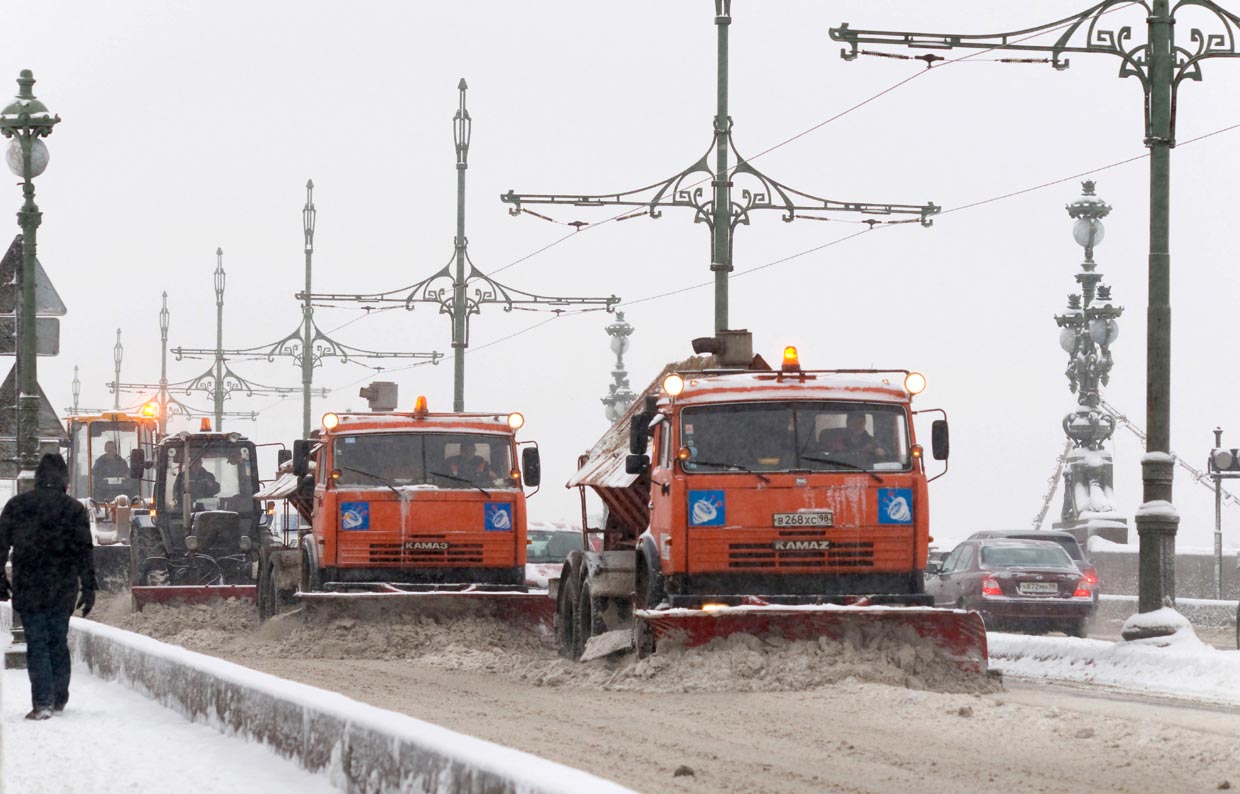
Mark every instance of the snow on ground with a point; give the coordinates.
(1179, 666)
(111, 739)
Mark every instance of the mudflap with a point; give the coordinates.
(533, 609)
(111, 567)
(190, 594)
(957, 636)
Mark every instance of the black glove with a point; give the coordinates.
(5, 595)
(86, 602)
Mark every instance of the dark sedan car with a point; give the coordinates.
(1065, 539)
(1026, 584)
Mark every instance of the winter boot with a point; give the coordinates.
(40, 713)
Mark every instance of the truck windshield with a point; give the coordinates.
(787, 436)
(441, 460)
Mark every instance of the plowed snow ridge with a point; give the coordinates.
(736, 664)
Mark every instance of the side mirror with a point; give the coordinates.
(283, 456)
(531, 466)
(637, 464)
(638, 434)
(939, 444)
(301, 457)
(934, 566)
(64, 442)
(137, 462)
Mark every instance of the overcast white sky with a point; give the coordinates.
(191, 126)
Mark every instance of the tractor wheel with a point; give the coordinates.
(266, 590)
(148, 546)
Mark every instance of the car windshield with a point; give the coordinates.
(1069, 544)
(784, 436)
(545, 546)
(442, 460)
(1039, 556)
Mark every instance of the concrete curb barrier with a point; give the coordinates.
(362, 748)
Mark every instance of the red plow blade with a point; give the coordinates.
(957, 636)
(190, 594)
(535, 610)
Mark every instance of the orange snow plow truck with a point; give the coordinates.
(785, 502)
(419, 511)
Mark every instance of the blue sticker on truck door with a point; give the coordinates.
(497, 516)
(355, 515)
(895, 505)
(707, 509)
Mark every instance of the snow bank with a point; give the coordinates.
(361, 747)
(1179, 666)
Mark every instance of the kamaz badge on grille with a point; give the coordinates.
(802, 545)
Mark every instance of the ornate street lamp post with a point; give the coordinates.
(26, 121)
(1088, 329)
(620, 396)
(1160, 63)
(118, 353)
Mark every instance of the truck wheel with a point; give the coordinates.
(566, 615)
(589, 620)
(643, 638)
(311, 579)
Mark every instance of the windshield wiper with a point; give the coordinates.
(374, 477)
(470, 483)
(734, 466)
(842, 463)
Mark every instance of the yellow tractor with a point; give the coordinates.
(100, 446)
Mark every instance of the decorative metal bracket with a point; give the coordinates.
(1085, 32)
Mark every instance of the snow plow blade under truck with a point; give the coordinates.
(407, 512)
(789, 503)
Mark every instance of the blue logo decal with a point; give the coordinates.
(497, 516)
(355, 515)
(895, 505)
(707, 509)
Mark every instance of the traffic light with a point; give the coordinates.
(1225, 461)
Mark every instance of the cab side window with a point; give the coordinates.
(663, 445)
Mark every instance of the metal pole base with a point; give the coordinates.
(1156, 561)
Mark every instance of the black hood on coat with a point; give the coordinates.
(52, 473)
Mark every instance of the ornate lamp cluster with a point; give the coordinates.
(619, 396)
(1089, 328)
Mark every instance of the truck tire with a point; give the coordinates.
(266, 589)
(587, 620)
(566, 615)
(311, 578)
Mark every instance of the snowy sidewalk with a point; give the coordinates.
(1187, 668)
(111, 739)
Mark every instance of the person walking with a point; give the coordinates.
(49, 533)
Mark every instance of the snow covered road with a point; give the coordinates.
(111, 739)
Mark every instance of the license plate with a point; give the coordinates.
(805, 518)
(1038, 588)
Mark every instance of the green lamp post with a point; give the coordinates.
(25, 122)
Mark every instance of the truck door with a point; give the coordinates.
(662, 485)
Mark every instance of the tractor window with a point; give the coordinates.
(783, 436)
(220, 478)
(101, 457)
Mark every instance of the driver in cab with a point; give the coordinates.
(107, 466)
(469, 465)
(202, 483)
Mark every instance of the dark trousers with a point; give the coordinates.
(47, 656)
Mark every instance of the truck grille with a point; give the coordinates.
(455, 554)
(763, 555)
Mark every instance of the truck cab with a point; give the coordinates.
(99, 476)
(415, 498)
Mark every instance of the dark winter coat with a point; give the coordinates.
(49, 533)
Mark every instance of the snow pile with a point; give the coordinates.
(740, 663)
(1180, 665)
(744, 663)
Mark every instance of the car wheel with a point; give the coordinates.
(1077, 628)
